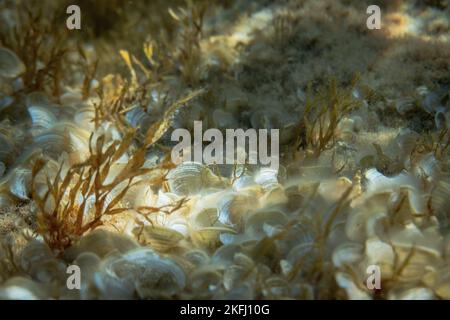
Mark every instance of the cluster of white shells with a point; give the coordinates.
(244, 238)
(244, 234)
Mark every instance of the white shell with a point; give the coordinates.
(197, 257)
(158, 237)
(431, 102)
(406, 141)
(259, 222)
(379, 252)
(138, 118)
(225, 254)
(267, 178)
(347, 254)
(89, 264)
(404, 105)
(207, 217)
(101, 243)
(243, 181)
(71, 97)
(20, 288)
(441, 119)
(33, 254)
(63, 137)
(37, 99)
(414, 294)
(233, 207)
(42, 118)
(427, 240)
(205, 278)
(20, 183)
(151, 275)
(378, 183)
(84, 117)
(191, 177)
(428, 167)
(353, 292)
(10, 64)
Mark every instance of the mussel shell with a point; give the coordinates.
(234, 275)
(207, 217)
(224, 256)
(303, 252)
(152, 276)
(159, 238)
(63, 137)
(35, 251)
(276, 287)
(109, 286)
(419, 293)
(407, 140)
(42, 119)
(138, 118)
(257, 223)
(405, 105)
(101, 243)
(37, 99)
(442, 120)
(191, 177)
(410, 236)
(275, 196)
(440, 201)
(204, 278)
(208, 237)
(346, 282)
(380, 253)
(10, 64)
(20, 183)
(197, 257)
(89, 264)
(20, 288)
(431, 102)
(71, 98)
(267, 178)
(347, 254)
(85, 117)
(234, 207)
(428, 167)
(243, 181)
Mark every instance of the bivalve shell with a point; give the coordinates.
(191, 177)
(10, 64)
(159, 238)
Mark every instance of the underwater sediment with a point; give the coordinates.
(86, 178)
